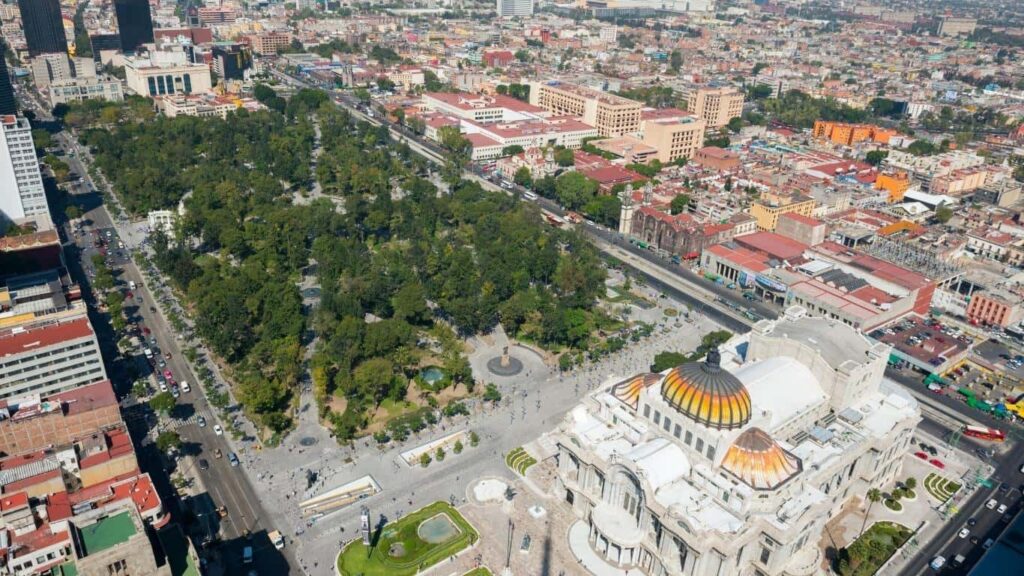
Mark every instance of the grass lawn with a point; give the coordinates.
(418, 555)
(519, 460)
(873, 548)
(481, 571)
(940, 488)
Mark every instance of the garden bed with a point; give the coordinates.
(872, 549)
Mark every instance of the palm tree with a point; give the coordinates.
(874, 496)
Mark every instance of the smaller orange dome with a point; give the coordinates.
(759, 461)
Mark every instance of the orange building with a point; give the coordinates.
(895, 184)
(850, 134)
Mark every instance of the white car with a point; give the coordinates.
(991, 504)
(1001, 509)
(218, 430)
(185, 388)
(964, 533)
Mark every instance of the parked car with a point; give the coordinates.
(964, 533)
(991, 504)
(201, 422)
(204, 465)
(218, 430)
(233, 459)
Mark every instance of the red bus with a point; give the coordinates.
(984, 433)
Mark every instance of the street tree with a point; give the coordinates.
(163, 402)
(168, 439)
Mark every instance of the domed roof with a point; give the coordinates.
(757, 460)
(707, 394)
(628, 391)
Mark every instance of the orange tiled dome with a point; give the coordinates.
(757, 460)
(705, 393)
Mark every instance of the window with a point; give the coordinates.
(689, 437)
(657, 417)
(152, 86)
(570, 497)
(647, 411)
(667, 424)
(766, 555)
(711, 452)
(699, 445)
(677, 431)
(161, 88)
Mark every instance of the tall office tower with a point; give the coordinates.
(44, 26)
(134, 22)
(509, 8)
(21, 184)
(8, 105)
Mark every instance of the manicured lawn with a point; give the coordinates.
(867, 554)
(481, 571)
(941, 488)
(418, 554)
(519, 460)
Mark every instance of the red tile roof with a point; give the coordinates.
(43, 337)
(13, 501)
(772, 245)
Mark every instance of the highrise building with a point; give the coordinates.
(21, 184)
(510, 8)
(134, 23)
(612, 115)
(8, 105)
(715, 105)
(44, 26)
(231, 60)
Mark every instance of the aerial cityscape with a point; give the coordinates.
(511, 287)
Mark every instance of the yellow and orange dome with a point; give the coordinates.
(628, 391)
(757, 460)
(707, 394)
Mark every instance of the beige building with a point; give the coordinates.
(715, 105)
(767, 209)
(612, 115)
(165, 74)
(674, 133)
(269, 42)
(953, 26)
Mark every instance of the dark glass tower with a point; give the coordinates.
(8, 105)
(134, 22)
(44, 26)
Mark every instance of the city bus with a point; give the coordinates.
(984, 433)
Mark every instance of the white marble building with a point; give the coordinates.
(733, 465)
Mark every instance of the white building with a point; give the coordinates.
(21, 184)
(733, 465)
(511, 8)
(78, 89)
(166, 73)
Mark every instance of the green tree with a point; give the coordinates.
(168, 439)
(679, 204)
(943, 213)
(522, 177)
(474, 438)
(675, 60)
(42, 139)
(439, 454)
(911, 483)
(425, 460)
(874, 496)
(457, 448)
(564, 157)
(574, 189)
(492, 394)
(162, 402)
(374, 379)
(665, 360)
(875, 157)
(512, 150)
(735, 124)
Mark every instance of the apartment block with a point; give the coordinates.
(770, 206)
(851, 134)
(715, 105)
(953, 26)
(269, 42)
(57, 419)
(511, 8)
(895, 183)
(21, 184)
(995, 308)
(674, 133)
(612, 115)
(481, 108)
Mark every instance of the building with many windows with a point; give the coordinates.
(268, 43)
(166, 73)
(674, 133)
(21, 184)
(134, 23)
(78, 89)
(512, 8)
(732, 465)
(715, 105)
(612, 115)
(8, 104)
(47, 344)
(43, 25)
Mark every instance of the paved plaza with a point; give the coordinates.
(534, 401)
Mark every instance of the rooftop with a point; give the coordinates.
(106, 533)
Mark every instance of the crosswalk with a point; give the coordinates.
(176, 423)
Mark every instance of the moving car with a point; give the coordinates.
(233, 459)
(991, 504)
(1001, 509)
(218, 430)
(204, 465)
(201, 422)
(937, 563)
(964, 533)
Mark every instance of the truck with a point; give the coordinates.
(277, 539)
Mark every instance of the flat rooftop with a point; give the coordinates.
(106, 533)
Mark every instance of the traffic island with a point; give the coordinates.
(409, 545)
